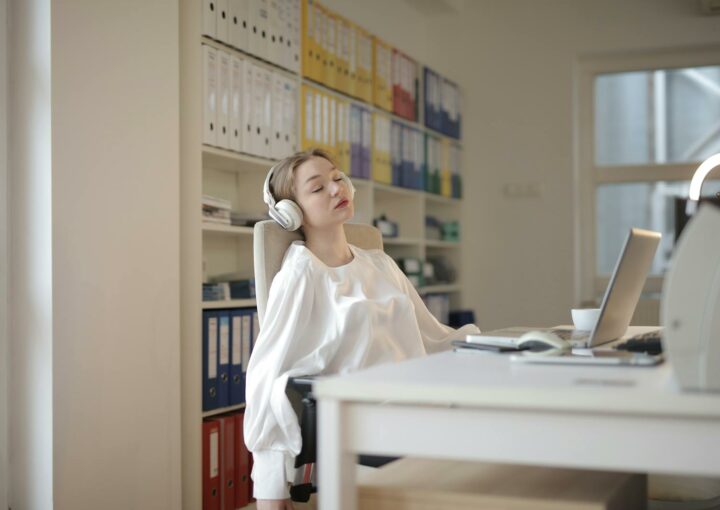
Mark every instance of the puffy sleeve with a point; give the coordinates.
(435, 335)
(272, 432)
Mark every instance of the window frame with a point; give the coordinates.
(588, 285)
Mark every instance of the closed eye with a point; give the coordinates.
(319, 189)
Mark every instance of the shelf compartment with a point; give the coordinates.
(230, 161)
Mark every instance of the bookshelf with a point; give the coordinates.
(210, 249)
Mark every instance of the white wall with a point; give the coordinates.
(3, 258)
(30, 180)
(517, 61)
(94, 153)
(115, 207)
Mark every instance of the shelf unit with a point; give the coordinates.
(209, 249)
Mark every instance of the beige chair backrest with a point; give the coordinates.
(271, 241)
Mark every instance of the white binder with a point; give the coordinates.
(238, 11)
(267, 111)
(277, 141)
(290, 117)
(223, 104)
(209, 17)
(275, 15)
(247, 111)
(210, 85)
(258, 111)
(222, 30)
(257, 37)
(292, 34)
(237, 75)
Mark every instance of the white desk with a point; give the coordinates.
(482, 407)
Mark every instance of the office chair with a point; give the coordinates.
(270, 242)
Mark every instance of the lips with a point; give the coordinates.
(343, 203)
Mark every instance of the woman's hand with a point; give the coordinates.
(275, 504)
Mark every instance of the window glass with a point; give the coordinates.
(649, 205)
(657, 116)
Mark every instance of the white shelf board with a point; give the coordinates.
(386, 188)
(232, 303)
(227, 229)
(432, 243)
(401, 241)
(230, 161)
(432, 197)
(433, 289)
(223, 410)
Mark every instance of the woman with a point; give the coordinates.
(332, 308)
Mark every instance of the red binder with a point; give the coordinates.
(227, 462)
(211, 465)
(242, 465)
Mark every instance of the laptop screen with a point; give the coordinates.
(625, 286)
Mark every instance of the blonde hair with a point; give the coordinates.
(282, 182)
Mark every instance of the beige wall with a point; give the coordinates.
(95, 400)
(516, 62)
(115, 137)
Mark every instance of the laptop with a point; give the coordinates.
(618, 304)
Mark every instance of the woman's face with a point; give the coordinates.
(322, 194)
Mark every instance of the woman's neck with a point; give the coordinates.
(330, 246)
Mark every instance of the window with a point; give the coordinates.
(644, 123)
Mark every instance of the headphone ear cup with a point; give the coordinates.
(291, 212)
(350, 184)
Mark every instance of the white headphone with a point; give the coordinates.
(286, 212)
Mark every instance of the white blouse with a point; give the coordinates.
(327, 320)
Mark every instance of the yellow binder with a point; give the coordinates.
(382, 75)
(341, 54)
(331, 49)
(381, 163)
(352, 82)
(364, 65)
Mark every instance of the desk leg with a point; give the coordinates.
(336, 465)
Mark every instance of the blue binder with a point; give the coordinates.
(209, 355)
(223, 351)
(237, 379)
(396, 150)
